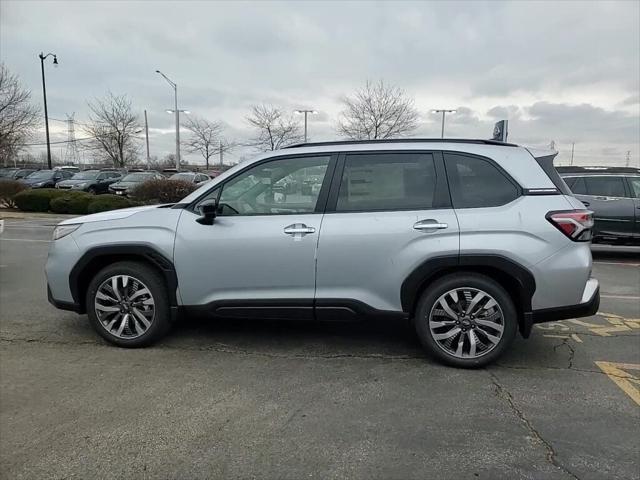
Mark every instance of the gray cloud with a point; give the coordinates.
(568, 73)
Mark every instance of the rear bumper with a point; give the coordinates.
(587, 307)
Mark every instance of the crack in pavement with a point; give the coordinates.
(572, 352)
(550, 452)
(222, 348)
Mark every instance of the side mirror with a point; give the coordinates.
(208, 210)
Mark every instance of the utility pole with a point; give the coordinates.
(221, 152)
(305, 112)
(42, 58)
(443, 112)
(628, 157)
(573, 144)
(146, 133)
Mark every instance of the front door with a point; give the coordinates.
(387, 213)
(258, 257)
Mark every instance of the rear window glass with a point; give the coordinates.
(396, 181)
(476, 182)
(605, 186)
(578, 186)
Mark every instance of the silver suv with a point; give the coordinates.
(473, 240)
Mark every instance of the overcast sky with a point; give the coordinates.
(568, 72)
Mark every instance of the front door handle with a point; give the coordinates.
(586, 204)
(430, 224)
(298, 228)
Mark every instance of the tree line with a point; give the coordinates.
(376, 111)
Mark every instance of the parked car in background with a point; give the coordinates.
(92, 181)
(132, 180)
(191, 177)
(474, 240)
(46, 178)
(69, 168)
(613, 194)
(16, 173)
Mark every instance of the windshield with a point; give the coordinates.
(41, 174)
(138, 177)
(186, 177)
(7, 173)
(89, 175)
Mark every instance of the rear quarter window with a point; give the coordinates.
(476, 182)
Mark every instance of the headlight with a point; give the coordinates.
(39, 184)
(64, 230)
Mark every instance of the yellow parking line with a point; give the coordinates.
(618, 374)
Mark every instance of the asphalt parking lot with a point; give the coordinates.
(273, 400)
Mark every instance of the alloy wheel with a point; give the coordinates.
(124, 306)
(466, 322)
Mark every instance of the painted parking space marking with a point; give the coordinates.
(614, 324)
(24, 240)
(573, 336)
(621, 297)
(619, 373)
(624, 264)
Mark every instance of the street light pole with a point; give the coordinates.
(42, 57)
(444, 112)
(305, 112)
(177, 112)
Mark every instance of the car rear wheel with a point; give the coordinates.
(127, 304)
(92, 191)
(466, 320)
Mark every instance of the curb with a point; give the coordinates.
(18, 215)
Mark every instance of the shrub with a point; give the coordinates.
(36, 200)
(103, 203)
(8, 190)
(162, 191)
(71, 202)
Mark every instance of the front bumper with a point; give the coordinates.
(588, 306)
(71, 306)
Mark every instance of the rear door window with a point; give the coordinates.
(476, 182)
(387, 181)
(605, 186)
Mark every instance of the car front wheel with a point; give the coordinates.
(127, 304)
(466, 320)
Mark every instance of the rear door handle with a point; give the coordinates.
(586, 204)
(429, 224)
(298, 228)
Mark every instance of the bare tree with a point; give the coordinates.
(18, 118)
(206, 138)
(113, 127)
(274, 129)
(377, 111)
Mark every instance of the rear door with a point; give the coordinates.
(610, 199)
(387, 213)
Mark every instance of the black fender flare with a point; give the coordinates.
(95, 257)
(524, 283)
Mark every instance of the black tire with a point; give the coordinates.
(154, 281)
(92, 191)
(475, 281)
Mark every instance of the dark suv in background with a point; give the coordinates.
(613, 194)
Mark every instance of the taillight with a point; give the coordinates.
(575, 224)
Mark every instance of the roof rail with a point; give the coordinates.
(402, 140)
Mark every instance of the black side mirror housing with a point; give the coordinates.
(209, 210)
